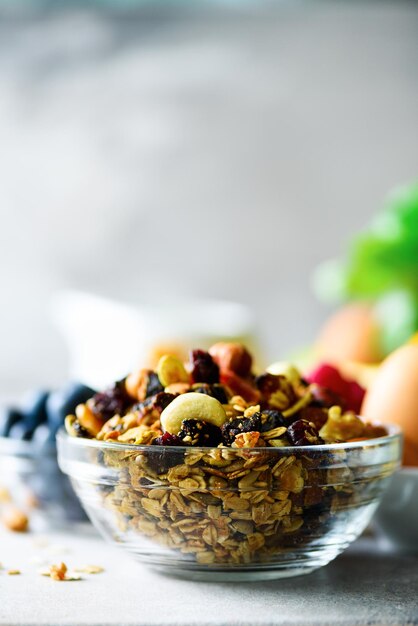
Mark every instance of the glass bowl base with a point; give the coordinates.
(224, 576)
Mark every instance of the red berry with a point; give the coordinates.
(350, 391)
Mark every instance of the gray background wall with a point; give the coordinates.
(219, 152)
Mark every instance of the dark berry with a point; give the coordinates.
(204, 368)
(167, 439)
(276, 391)
(271, 419)
(216, 391)
(163, 399)
(202, 388)
(303, 433)
(219, 392)
(111, 402)
(160, 460)
(240, 425)
(8, 418)
(153, 385)
(198, 433)
(314, 414)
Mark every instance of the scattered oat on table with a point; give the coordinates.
(60, 573)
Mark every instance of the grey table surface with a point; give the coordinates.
(365, 586)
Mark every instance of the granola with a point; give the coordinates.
(223, 466)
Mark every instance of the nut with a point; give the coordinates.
(16, 520)
(139, 385)
(232, 356)
(196, 406)
(283, 368)
(171, 370)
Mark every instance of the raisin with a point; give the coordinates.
(219, 392)
(153, 385)
(163, 399)
(240, 425)
(313, 414)
(204, 368)
(271, 419)
(303, 433)
(216, 391)
(113, 401)
(198, 433)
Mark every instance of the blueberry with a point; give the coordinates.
(63, 402)
(34, 411)
(20, 431)
(8, 418)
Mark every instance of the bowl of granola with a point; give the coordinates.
(206, 471)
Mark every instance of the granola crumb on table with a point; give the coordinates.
(216, 467)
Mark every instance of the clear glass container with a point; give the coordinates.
(231, 514)
(31, 476)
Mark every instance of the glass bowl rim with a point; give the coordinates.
(394, 433)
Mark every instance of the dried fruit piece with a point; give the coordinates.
(171, 370)
(240, 387)
(233, 357)
(239, 425)
(204, 368)
(276, 391)
(350, 391)
(195, 406)
(270, 419)
(88, 420)
(143, 384)
(303, 433)
(112, 401)
(198, 433)
(167, 439)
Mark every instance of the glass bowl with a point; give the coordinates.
(30, 474)
(226, 513)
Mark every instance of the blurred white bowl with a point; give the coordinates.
(107, 339)
(397, 516)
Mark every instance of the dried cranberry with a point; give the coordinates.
(160, 460)
(153, 385)
(113, 401)
(198, 433)
(325, 398)
(240, 425)
(303, 433)
(271, 419)
(204, 368)
(167, 439)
